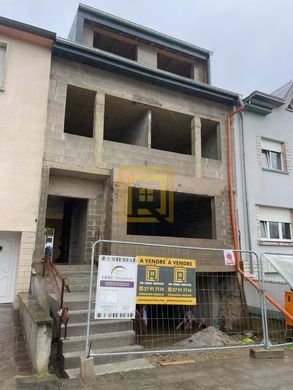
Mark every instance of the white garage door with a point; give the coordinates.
(8, 261)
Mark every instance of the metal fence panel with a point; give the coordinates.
(220, 319)
(276, 284)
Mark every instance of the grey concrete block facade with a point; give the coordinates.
(96, 161)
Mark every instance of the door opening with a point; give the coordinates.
(66, 221)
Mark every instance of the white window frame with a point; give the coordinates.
(269, 153)
(268, 238)
(272, 146)
(5, 46)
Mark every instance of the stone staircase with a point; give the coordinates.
(106, 336)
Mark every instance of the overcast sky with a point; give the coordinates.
(252, 40)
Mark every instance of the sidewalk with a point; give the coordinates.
(14, 360)
(236, 372)
(217, 370)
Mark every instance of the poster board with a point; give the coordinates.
(229, 257)
(166, 281)
(116, 287)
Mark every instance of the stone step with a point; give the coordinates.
(102, 340)
(75, 280)
(81, 287)
(74, 300)
(109, 368)
(76, 274)
(77, 300)
(80, 280)
(98, 326)
(73, 267)
(79, 315)
(72, 359)
(75, 288)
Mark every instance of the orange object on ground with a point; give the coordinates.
(289, 306)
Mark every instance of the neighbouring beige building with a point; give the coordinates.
(25, 61)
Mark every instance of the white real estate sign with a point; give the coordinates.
(116, 287)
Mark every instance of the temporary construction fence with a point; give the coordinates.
(277, 273)
(199, 311)
(277, 281)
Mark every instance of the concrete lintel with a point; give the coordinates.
(93, 174)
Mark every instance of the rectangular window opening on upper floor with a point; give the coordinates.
(210, 139)
(192, 214)
(171, 131)
(79, 111)
(2, 64)
(135, 123)
(272, 155)
(174, 65)
(115, 45)
(126, 121)
(275, 224)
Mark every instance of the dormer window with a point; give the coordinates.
(115, 45)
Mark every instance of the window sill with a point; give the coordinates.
(275, 171)
(275, 243)
(216, 160)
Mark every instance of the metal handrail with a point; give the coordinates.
(54, 275)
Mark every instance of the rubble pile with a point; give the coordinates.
(208, 337)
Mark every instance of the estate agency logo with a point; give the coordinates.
(180, 275)
(152, 274)
(145, 195)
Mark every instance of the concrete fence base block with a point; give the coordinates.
(262, 353)
(86, 367)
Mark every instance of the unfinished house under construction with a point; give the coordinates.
(125, 102)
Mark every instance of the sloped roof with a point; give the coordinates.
(108, 61)
(105, 19)
(27, 28)
(262, 103)
(283, 91)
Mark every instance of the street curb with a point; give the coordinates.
(262, 353)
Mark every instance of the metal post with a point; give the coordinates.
(87, 347)
(266, 340)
